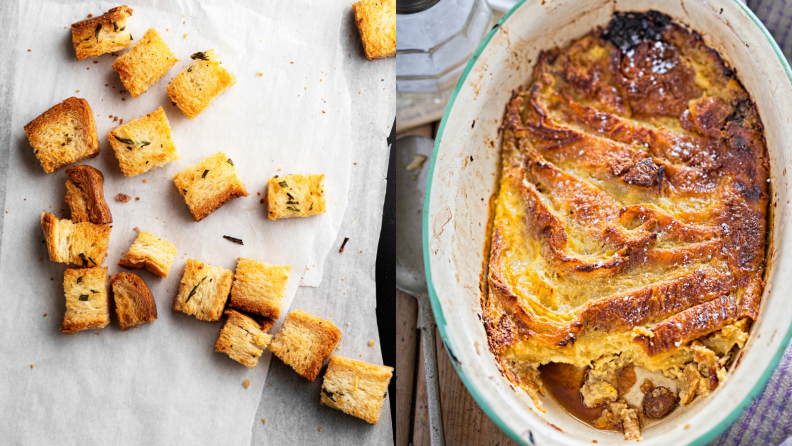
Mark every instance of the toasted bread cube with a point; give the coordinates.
(295, 196)
(376, 21)
(242, 339)
(196, 87)
(304, 342)
(104, 34)
(145, 63)
(152, 252)
(87, 293)
(266, 323)
(203, 291)
(144, 143)
(135, 305)
(259, 287)
(64, 134)
(355, 387)
(209, 184)
(83, 244)
(85, 195)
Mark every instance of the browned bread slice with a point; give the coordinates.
(209, 184)
(295, 196)
(134, 303)
(83, 244)
(197, 86)
(304, 342)
(64, 134)
(259, 287)
(203, 291)
(104, 34)
(87, 293)
(144, 143)
(242, 339)
(152, 252)
(145, 63)
(85, 195)
(355, 387)
(376, 21)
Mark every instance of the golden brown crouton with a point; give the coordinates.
(203, 291)
(242, 339)
(295, 196)
(134, 303)
(152, 252)
(85, 195)
(145, 63)
(87, 293)
(304, 342)
(83, 244)
(209, 184)
(259, 287)
(144, 143)
(376, 21)
(197, 86)
(64, 134)
(104, 34)
(355, 387)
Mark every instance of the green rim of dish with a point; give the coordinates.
(438, 309)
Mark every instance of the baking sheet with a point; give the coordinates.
(163, 383)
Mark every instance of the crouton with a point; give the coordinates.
(209, 184)
(64, 134)
(242, 339)
(83, 244)
(134, 303)
(144, 143)
(355, 387)
(152, 252)
(259, 287)
(87, 293)
(196, 87)
(304, 342)
(85, 195)
(203, 291)
(104, 34)
(266, 323)
(376, 21)
(145, 63)
(295, 196)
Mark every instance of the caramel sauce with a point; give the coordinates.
(563, 382)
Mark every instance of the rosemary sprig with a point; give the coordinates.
(83, 297)
(195, 289)
(233, 239)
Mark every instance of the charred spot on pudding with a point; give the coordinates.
(627, 30)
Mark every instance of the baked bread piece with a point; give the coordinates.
(134, 303)
(104, 34)
(355, 387)
(64, 134)
(304, 342)
(83, 244)
(196, 87)
(259, 287)
(87, 293)
(242, 339)
(203, 291)
(85, 195)
(144, 143)
(295, 196)
(209, 184)
(152, 252)
(143, 65)
(376, 21)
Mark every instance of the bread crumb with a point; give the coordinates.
(137, 198)
(259, 193)
(97, 333)
(185, 36)
(361, 355)
(348, 323)
(28, 50)
(246, 384)
(263, 421)
(123, 198)
(145, 181)
(257, 74)
(261, 201)
(45, 314)
(115, 118)
(96, 61)
(320, 427)
(77, 91)
(31, 365)
(90, 15)
(137, 229)
(371, 342)
(270, 384)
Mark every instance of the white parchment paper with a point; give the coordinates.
(163, 383)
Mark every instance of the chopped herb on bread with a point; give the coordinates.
(83, 244)
(203, 291)
(304, 342)
(196, 87)
(133, 301)
(209, 184)
(295, 196)
(376, 21)
(242, 339)
(151, 252)
(104, 34)
(143, 65)
(87, 292)
(355, 387)
(144, 143)
(85, 195)
(259, 287)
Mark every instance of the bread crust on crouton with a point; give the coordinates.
(104, 34)
(83, 244)
(259, 287)
(64, 134)
(143, 65)
(144, 143)
(242, 339)
(355, 387)
(376, 21)
(133, 300)
(203, 291)
(295, 196)
(85, 195)
(304, 342)
(87, 292)
(151, 252)
(208, 185)
(197, 86)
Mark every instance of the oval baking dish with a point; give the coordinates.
(463, 176)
